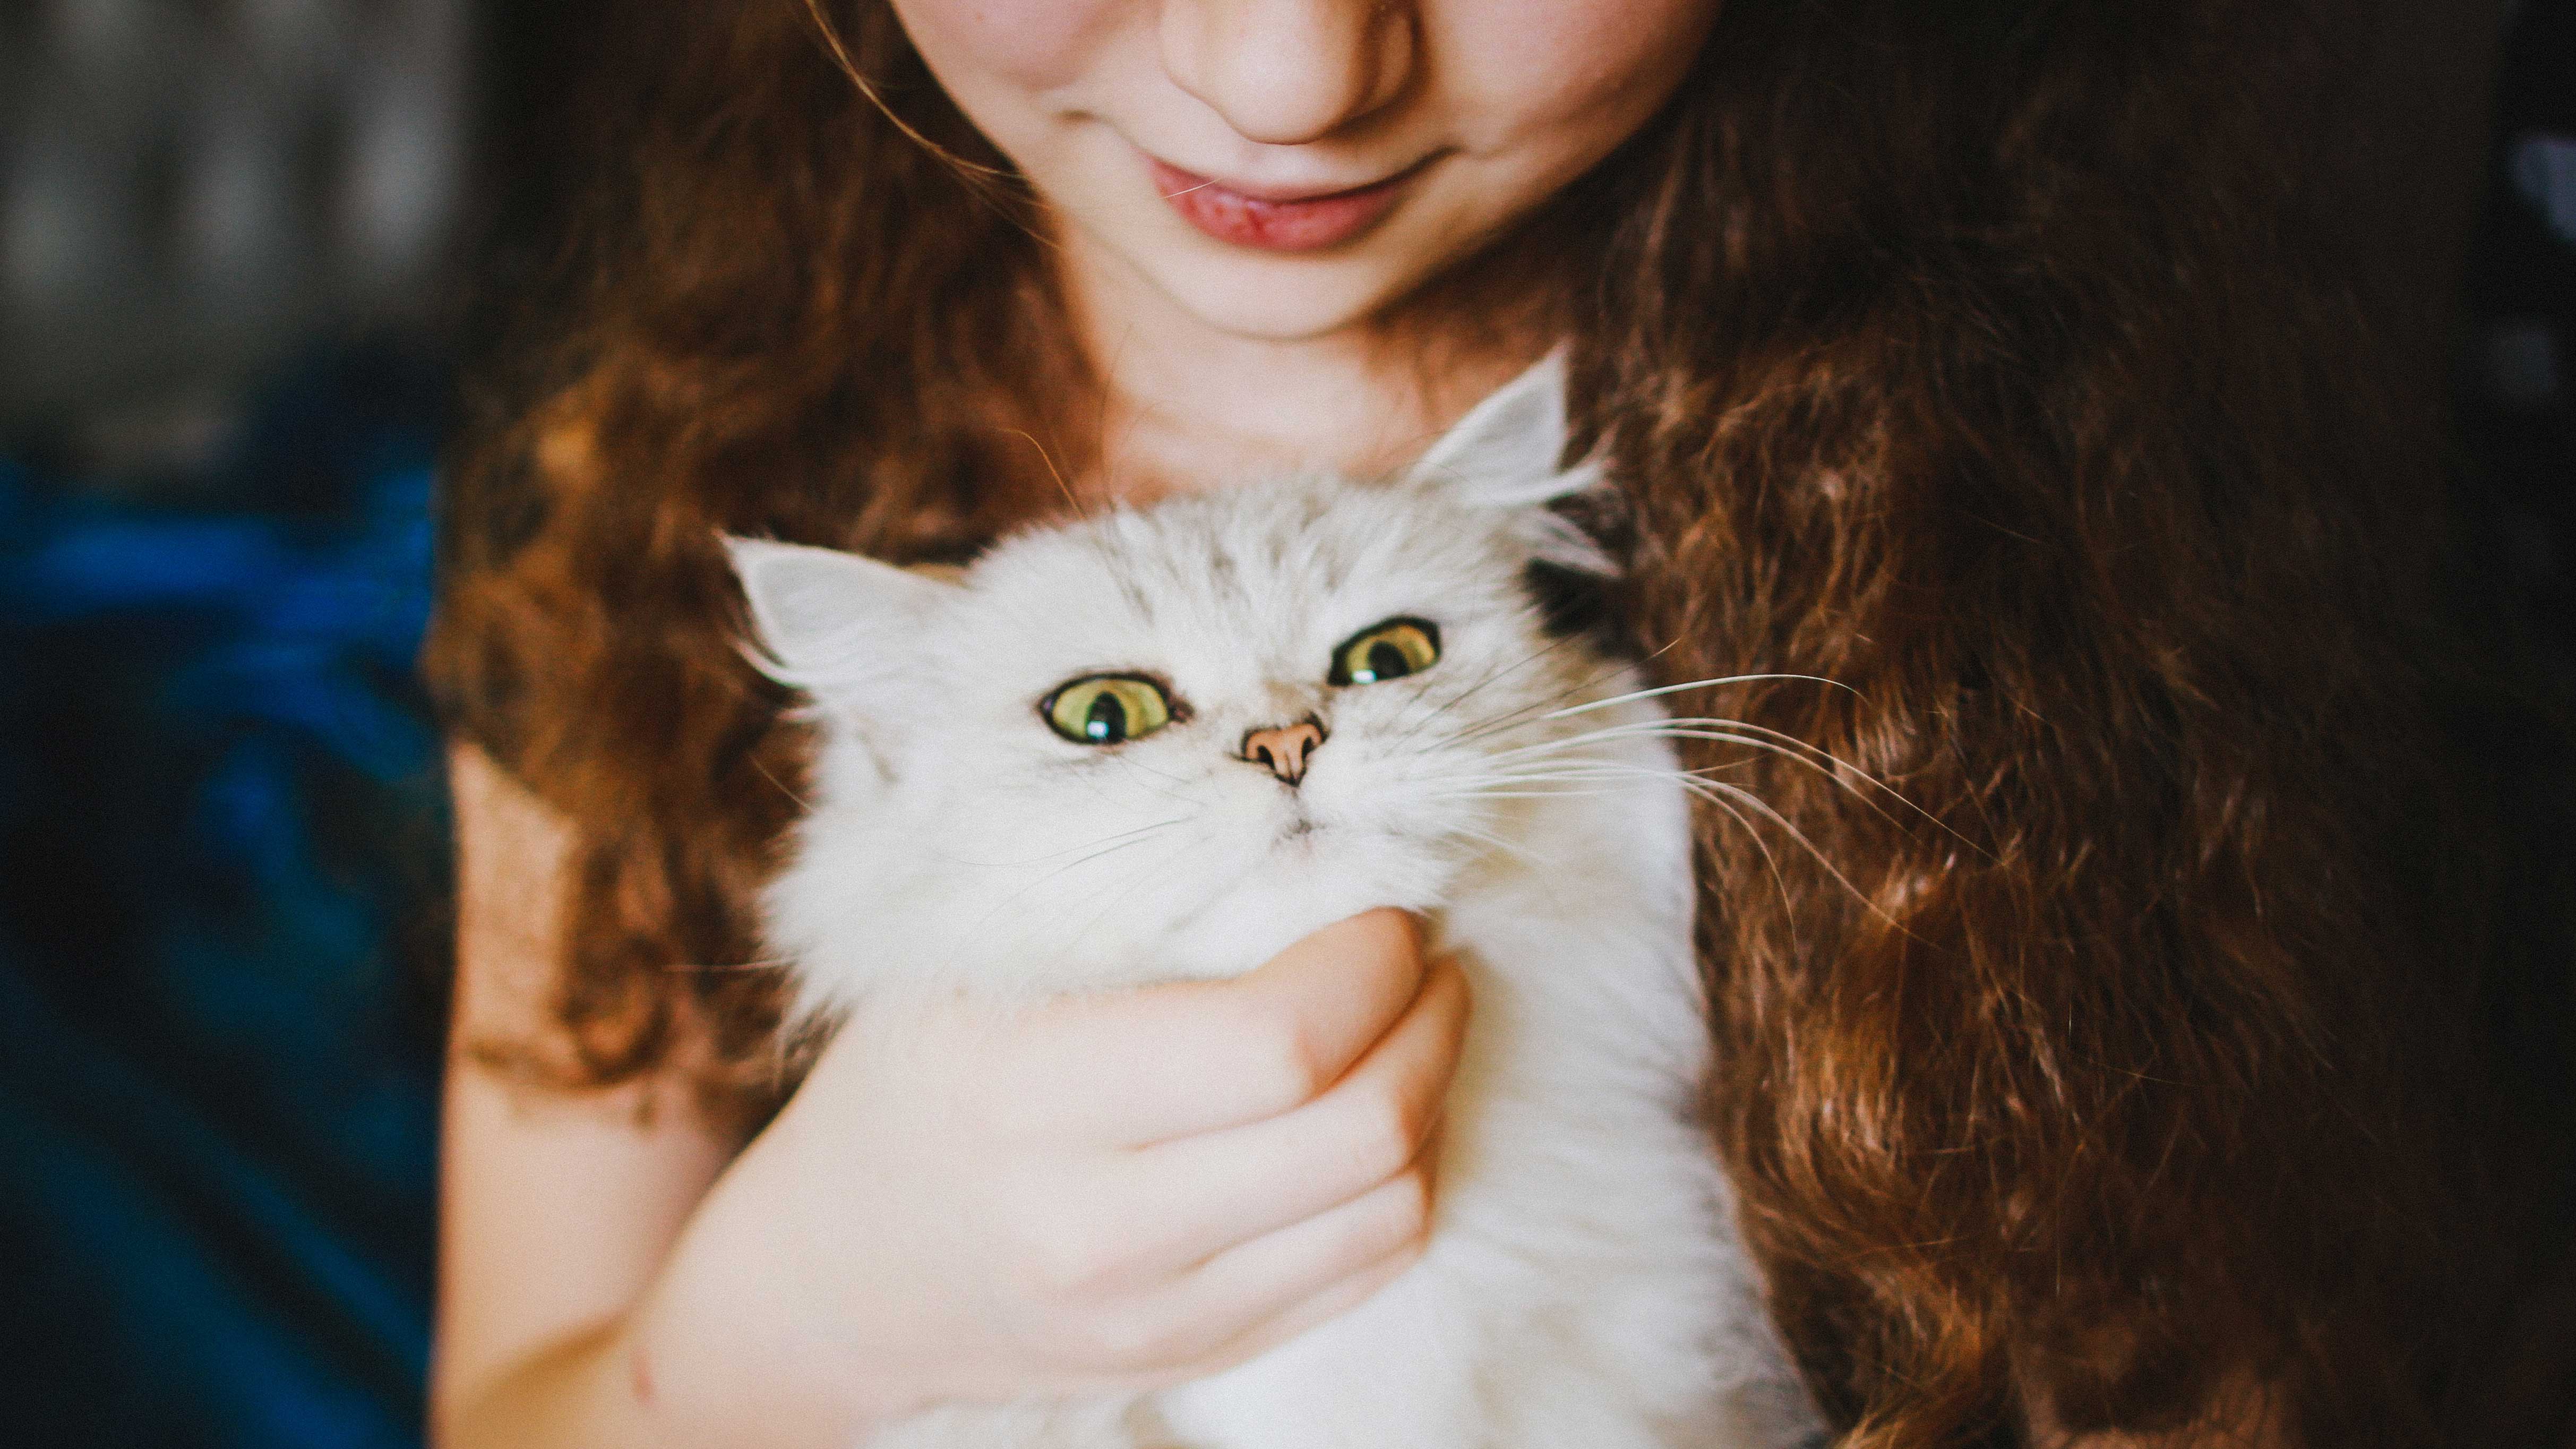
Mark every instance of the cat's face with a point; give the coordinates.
(1290, 699)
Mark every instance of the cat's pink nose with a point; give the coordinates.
(1284, 749)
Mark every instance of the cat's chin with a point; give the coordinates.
(1313, 873)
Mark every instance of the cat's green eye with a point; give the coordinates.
(1106, 709)
(1387, 651)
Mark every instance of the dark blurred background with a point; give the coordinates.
(230, 247)
(242, 243)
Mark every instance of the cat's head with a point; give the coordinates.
(1291, 697)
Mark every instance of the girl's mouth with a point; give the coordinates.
(1279, 222)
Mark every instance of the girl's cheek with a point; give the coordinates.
(1522, 67)
(1029, 45)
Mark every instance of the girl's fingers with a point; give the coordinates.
(1241, 1183)
(1168, 1061)
(1325, 1263)
(1323, 1306)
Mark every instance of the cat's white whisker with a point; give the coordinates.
(1495, 675)
(1608, 777)
(1823, 862)
(1133, 763)
(1528, 713)
(1681, 727)
(1487, 837)
(801, 802)
(1071, 939)
(1531, 794)
(1524, 715)
(1540, 754)
(722, 969)
(1595, 772)
(1770, 862)
(1131, 838)
(1728, 731)
(1070, 849)
(1661, 690)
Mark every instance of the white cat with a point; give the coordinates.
(1166, 742)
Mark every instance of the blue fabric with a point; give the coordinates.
(223, 837)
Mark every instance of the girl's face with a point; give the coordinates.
(1283, 168)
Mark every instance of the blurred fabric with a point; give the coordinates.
(223, 830)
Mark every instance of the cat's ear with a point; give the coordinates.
(826, 619)
(1508, 454)
(1509, 450)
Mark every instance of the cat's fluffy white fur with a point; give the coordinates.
(1584, 1288)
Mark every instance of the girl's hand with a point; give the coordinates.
(1108, 1193)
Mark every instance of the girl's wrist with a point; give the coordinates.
(725, 1343)
(695, 1379)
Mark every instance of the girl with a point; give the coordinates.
(2007, 362)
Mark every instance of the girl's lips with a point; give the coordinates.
(1278, 223)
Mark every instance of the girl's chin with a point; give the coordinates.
(1276, 298)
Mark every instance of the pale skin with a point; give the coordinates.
(1122, 1192)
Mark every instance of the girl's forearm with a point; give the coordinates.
(603, 1388)
(580, 1391)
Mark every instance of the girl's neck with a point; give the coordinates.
(1183, 406)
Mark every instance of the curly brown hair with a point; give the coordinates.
(2004, 361)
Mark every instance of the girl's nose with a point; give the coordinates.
(1284, 748)
(1286, 71)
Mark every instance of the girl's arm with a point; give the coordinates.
(556, 1210)
(1112, 1193)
